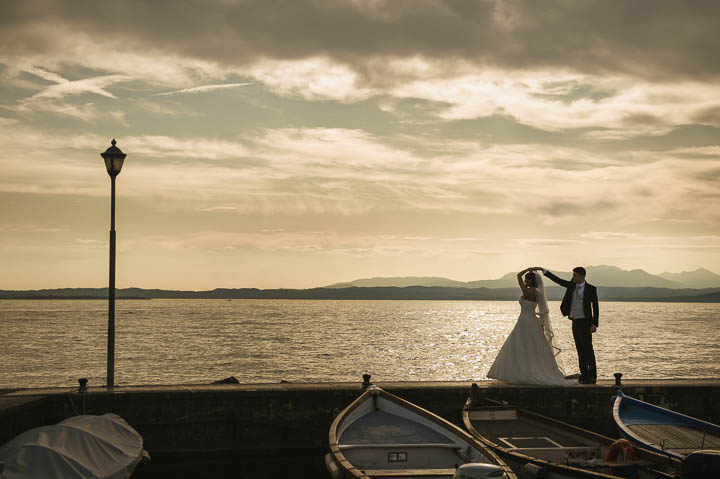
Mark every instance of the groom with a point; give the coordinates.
(580, 304)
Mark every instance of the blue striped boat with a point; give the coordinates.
(662, 430)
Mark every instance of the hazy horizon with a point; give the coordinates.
(341, 282)
(319, 142)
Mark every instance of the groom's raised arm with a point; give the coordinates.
(557, 280)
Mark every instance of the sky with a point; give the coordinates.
(295, 144)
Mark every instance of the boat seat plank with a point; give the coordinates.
(408, 472)
(525, 428)
(673, 436)
(440, 445)
(567, 449)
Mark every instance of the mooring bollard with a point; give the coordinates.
(618, 383)
(366, 381)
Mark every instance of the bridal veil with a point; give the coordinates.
(543, 314)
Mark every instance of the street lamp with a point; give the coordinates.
(113, 162)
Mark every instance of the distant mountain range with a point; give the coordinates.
(615, 285)
(607, 293)
(603, 275)
(700, 278)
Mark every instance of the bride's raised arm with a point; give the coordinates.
(522, 284)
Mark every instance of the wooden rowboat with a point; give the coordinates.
(380, 435)
(531, 443)
(662, 430)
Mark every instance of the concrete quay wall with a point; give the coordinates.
(222, 429)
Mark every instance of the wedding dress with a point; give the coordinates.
(529, 355)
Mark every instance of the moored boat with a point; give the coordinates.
(80, 447)
(534, 445)
(662, 430)
(380, 435)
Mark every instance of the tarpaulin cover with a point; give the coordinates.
(80, 447)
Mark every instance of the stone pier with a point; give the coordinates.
(281, 430)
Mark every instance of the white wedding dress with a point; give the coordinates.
(529, 355)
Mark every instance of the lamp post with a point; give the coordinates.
(114, 158)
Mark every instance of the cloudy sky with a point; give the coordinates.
(306, 142)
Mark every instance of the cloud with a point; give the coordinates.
(311, 79)
(547, 242)
(78, 52)
(466, 60)
(350, 171)
(555, 101)
(588, 36)
(203, 89)
(52, 98)
(31, 228)
(689, 242)
(220, 208)
(709, 116)
(64, 87)
(91, 242)
(556, 208)
(46, 75)
(320, 243)
(8, 122)
(160, 146)
(611, 235)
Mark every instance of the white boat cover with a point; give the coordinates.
(80, 447)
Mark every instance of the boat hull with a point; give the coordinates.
(662, 430)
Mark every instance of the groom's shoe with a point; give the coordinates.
(587, 380)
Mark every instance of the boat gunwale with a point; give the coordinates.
(335, 447)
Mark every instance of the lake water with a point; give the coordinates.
(52, 343)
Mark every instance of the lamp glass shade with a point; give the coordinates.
(114, 164)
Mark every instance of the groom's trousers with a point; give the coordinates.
(584, 346)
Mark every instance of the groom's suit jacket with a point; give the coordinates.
(590, 298)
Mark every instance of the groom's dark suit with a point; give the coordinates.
(581, 324)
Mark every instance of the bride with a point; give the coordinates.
(529, 355)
